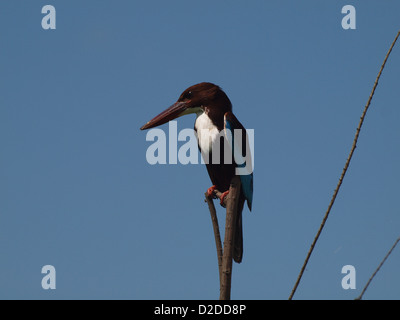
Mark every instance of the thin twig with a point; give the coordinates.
(217, 235)
(344, 170)
(376, 271)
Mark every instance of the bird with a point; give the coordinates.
(214, 119)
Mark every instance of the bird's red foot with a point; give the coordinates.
(223, 197)
(210, 191)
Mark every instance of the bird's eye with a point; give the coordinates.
(188, 95)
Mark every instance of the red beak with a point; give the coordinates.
(173, 112)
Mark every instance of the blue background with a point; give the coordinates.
(76, 191)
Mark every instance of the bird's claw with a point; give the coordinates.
(223, 195)
(210, 191)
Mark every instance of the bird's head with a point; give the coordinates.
(203, 97)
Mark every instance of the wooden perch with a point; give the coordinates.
(217, 235)
(225, 255)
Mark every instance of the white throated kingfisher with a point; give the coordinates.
(215, 120)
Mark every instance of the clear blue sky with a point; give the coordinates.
(77, 193)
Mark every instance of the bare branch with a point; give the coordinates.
(344, 170)
(217, 235)
(231, 215)
(225, 255)
(376, 271)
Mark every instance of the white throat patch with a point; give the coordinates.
(206, 132)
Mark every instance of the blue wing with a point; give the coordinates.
(237, 137)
